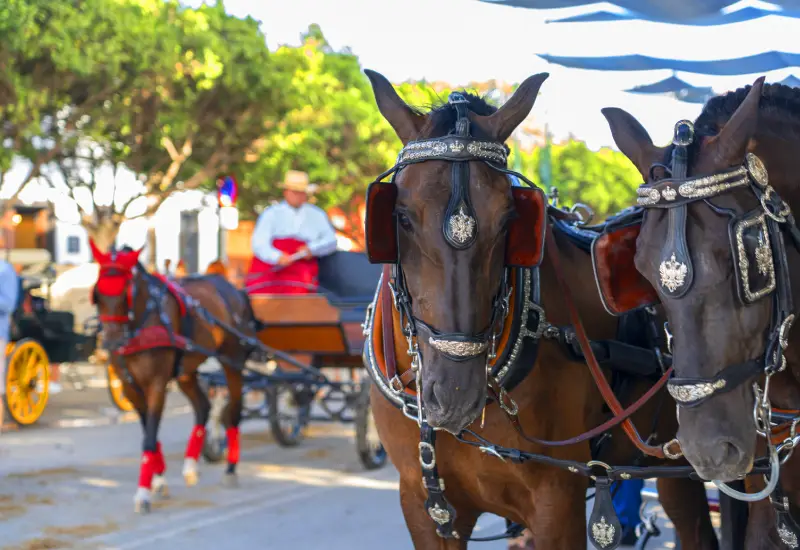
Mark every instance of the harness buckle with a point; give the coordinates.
(511, 409)
(396, 384)
(596, 463)
(777, 213)
(425, 446)
(668, 453)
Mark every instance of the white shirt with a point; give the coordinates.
(309, 223)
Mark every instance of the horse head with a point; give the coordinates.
(712, 244)
(445, 221)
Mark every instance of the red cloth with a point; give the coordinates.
(195, 444)
(233, 445)
(160, 465)
(147, 470)
(262, 277)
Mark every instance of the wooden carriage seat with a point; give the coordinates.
(327, 323)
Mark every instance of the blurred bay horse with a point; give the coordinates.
(720, 244)
(156, 330)
(458, 324)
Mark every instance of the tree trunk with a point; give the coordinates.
(103, 233)
(152, 257)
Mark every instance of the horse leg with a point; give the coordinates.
(233, 417)
(420, 525)
(556, 514)
(686, 504)
(189, 385)
(155, 397)
(159, 485)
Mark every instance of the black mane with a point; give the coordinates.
(442, 117)
(779, 101)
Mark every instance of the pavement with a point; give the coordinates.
(69, 481)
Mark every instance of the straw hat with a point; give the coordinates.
(294, 180)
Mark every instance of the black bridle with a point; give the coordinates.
(674, 194)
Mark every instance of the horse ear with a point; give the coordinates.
(633, 140)
(99, 256)
(404, 120)
(730, 145)
(129, 258)
(513, 112)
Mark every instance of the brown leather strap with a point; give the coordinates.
(594, 367)
(595, 432)
(388, 324)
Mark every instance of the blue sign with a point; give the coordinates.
(227, 191)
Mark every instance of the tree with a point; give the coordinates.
(62, 61)
(333, 130)
(199, 105)
(605, 180)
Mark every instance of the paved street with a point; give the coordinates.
(72, 488)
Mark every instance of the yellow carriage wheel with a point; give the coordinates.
(27, 381)
(116, 391)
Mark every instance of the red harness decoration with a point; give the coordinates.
(264, 278)
(177, 292)
(152, 337)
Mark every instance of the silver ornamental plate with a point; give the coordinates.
(603, 533)
(462, 226)
(787, 536)
(672, 273)
(757, 170)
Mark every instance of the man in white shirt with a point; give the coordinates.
(288, 239)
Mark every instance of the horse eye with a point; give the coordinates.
(405, 223)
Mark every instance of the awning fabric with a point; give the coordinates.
(719, 18)
(677, 88)
(655, 10)
(759, 63)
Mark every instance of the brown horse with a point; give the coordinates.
(157, 331)
(433, 329)
(725, 267)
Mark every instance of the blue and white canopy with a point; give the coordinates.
(682, 12)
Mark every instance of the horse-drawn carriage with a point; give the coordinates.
(40, 337)
(321, 332)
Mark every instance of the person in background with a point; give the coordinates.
(180, 270)
(287, 240)
(627, 502)
(9, 297)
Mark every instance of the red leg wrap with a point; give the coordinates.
(233, 445)
(160, 466)
(195, 444)
(147, 470)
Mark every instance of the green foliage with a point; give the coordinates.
(333, 129)
(605, 180)
(181, 96)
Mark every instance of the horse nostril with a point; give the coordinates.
(724, 453)
(430, 395)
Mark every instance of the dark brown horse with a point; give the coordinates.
(157, 331)
(722, 252)
(433, 325)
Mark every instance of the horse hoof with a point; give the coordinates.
(142, 507)
(160, 488)
(230, 480)
(191, 478)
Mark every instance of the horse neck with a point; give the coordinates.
(779, 154)
(141, 285)
(578, 274)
